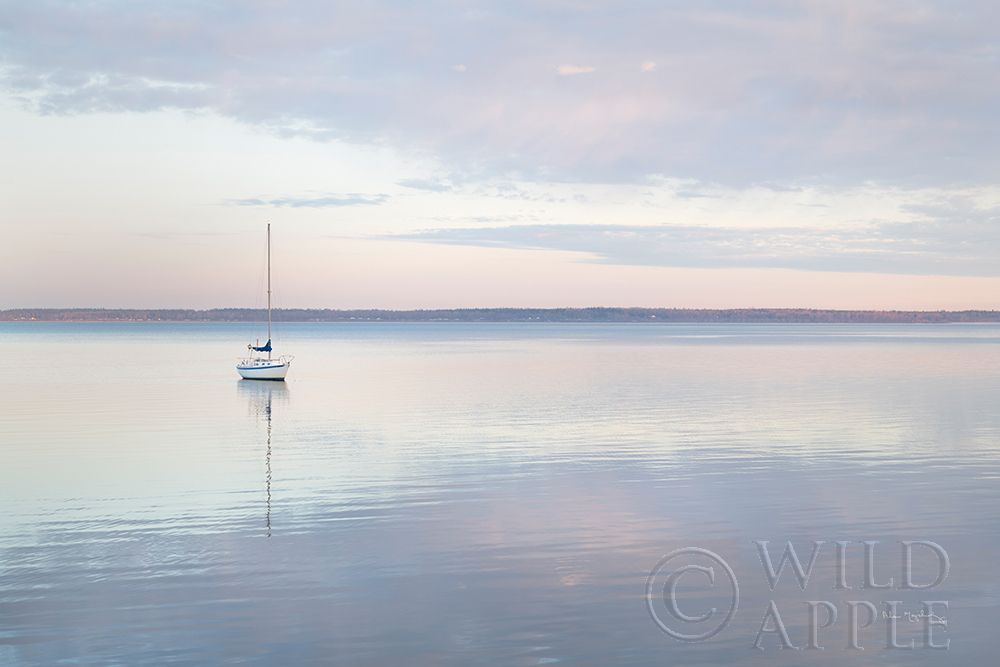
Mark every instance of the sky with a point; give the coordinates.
(541, 154)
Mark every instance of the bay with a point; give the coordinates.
(456, 493)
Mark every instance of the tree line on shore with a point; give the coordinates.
(746, 315)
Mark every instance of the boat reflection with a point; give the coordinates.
(261, 396)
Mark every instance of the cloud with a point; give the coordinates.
(425, 184)
(951, 239)
(647, 66)
(352, 199)
(692, 194)
(570, 70)
(516, 192)
(831, 93)
(459, 68)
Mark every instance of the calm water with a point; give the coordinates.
(462, 494)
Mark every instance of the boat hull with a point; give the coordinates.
(273, 371)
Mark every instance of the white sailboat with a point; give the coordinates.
(257, 366)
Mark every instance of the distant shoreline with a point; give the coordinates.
(662, 315)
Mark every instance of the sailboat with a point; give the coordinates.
(257, 366)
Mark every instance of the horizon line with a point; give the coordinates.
(592, 314)
(526, 308)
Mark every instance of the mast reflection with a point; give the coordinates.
(261, 396)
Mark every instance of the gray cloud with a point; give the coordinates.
(832, 92)
(948, 240)
(352, 199)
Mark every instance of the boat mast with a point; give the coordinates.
(269, 289)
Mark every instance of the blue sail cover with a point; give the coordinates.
(263, 348)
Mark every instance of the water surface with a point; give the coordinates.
(454, 494)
